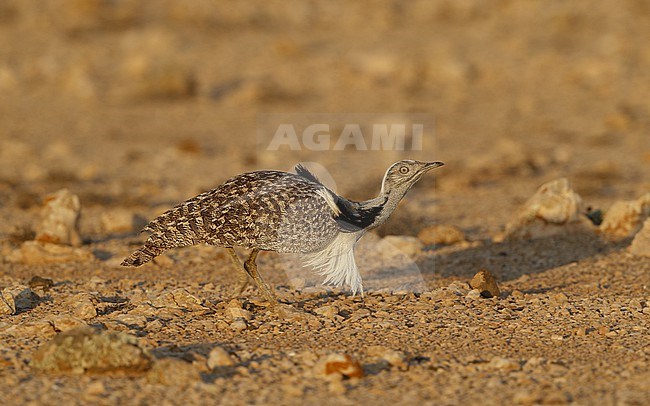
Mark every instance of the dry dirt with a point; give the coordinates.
(135, 106)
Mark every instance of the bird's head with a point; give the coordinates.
(402, 175)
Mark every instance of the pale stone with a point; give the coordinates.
(219, 357)
(85, 349)
(625, 218)
(179, 299)
(554, 209)
(485, 283)
(329, 311)
(338, 365)
(173, 372)
(239, 313)
(393, 357)
(65, 323)
(132, 320)
(60, 218)
(37, 328)
(641, 243)
(473, 294)
(16, 298)
(83, 305)
(238, 325)
(7, 305)
(504, 364)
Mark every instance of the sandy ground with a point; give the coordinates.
(135, 106)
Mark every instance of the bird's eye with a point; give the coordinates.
(404, 170)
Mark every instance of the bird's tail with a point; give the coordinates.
(143, 255)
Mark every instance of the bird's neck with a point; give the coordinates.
(385, 204)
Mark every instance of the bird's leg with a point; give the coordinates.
(244, 275)
(251, 268)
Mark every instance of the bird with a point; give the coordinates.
(286, 212)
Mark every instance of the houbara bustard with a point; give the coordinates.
(284, 212)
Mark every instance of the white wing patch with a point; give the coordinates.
(336, 262)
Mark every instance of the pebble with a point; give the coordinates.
(60, 219)
(17, 298)
(237, 313)
(83, 305)
(441, 234)
(485, 283)
(173, 372)
(66, 323)
(238, 325)
(329, 311)
(155, 325)
(95, 388)
(178, 298)
(641, 244)
(473, 294)
(7, 306)
(625, 218)
(86, 349)
(392, 357)
(504, 364)
(341, 365)
(39, 282)
(132, 320)
(554, 209)
(219, 357)
(637, 304)
(459, 288)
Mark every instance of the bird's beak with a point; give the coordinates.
(430, 165)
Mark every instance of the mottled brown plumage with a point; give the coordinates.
(268, 210)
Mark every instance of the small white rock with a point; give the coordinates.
(238, 325)
(625, 218)
(473, 294)
(504, 364)
(554, 209)
(393, 357)
(60, 218)
(239, 313)
(16, 298)
(641, 243)
(65, 323)
(219, 358)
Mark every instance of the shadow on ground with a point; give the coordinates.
(511, 259)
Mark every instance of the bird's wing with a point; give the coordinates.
(301, 170)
